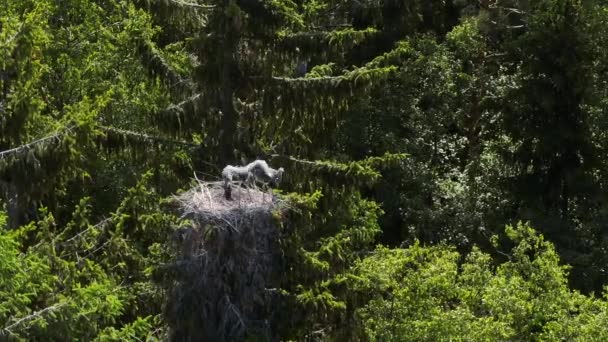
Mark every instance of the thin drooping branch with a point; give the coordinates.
(146, 137)
(192, 4)
(34, 315)
(117, 131)
(100, 224)
(187, 113)
(30, 145)
(153, 59)
(354, 75)
(293, 159)
(510, 10)
(91, 252)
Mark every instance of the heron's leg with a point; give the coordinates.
(250, 180)
(249, 193)
(249, 184)
(228, 188)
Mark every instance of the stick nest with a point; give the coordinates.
(207, 203)
(228, 264)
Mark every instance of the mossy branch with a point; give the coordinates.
(363, 172)
(324, 42)
(157, 65)
(183, 116)
(19, 150)
(116, 137)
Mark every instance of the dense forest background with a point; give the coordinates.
(445, 161)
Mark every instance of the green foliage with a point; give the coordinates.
(83, 280)
(323, 244)
(23, 41)
(425, 294)
(410, 123)
(329, 44)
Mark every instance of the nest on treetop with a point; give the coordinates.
(228, 265)
(207, 203)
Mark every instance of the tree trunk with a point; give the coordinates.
(229, 120)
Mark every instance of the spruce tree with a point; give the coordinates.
(547, 116)
(82, 234)
(272, 80)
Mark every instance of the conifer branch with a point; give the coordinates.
(510, 10)
(29, 146)
(183, 114)
(350, 76)
(102, 246)
(192, 4)
(335, 42)
(330, 26)
(34, 315)
(158, 65)
(174, 4)
(293, 159)
(100, 224)
(366, 169)
(307, 79)
(10, 39)
(145, 137)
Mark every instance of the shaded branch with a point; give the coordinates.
(192, 4)
(362, 172)
(354, 75)
(100, 224)
(184, 114)
(145, 137)
(157, 65)
(324, 41)
(29, 146)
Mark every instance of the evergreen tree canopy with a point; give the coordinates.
(411, 134)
